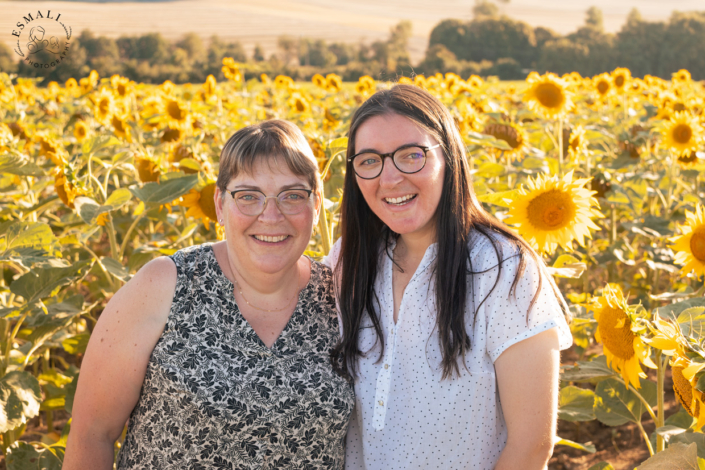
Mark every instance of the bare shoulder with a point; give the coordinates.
(145, 299)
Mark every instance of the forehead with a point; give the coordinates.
(267, 173)
(388, 132)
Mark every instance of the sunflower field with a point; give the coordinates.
(601, 174)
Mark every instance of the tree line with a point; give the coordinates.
(489, 44)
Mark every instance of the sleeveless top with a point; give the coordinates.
(215, 397)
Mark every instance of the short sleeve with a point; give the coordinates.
(509, 319)
(331, 259)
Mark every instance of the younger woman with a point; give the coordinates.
(451, 326)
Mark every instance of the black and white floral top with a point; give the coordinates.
(215, 397)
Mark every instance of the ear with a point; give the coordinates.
(217, 200)
(318, 207)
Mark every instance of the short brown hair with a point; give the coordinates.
(268, 140)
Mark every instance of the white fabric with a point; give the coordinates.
(407, 418)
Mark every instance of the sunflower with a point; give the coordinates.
(552, 211)
(209, 87)
(681, 77)
(548, 95)
(120, 127)
(621, 78)
(420, 81)
(230, 70)
(690, 247)
(175, 113)
(66, 188)
(688, 160)
(474, 81)
(683, 371)
(603, 85)
(167, 88)
(330, 122)
(682, 134)
(264, 78)
(298, 103)
(53, 150)
(319, 80)
(80, 130)
(201, 204)
(405, 81)
(515, 136)
(147, 169)
(104, 106)
(636, 86)
(574, 142)
(334, 83)
(171, 135)
(121, 85)
(71, 86)
(283, 82)
(365, 85)
(623, 348)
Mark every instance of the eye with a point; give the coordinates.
(247, 197)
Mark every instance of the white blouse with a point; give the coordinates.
(405, 416)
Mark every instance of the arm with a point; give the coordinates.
(115, 364)
(527, 375)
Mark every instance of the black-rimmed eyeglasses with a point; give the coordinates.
(408, 159)
(252, 202)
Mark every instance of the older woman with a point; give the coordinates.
(219, 355)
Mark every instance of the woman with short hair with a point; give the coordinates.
(219, 355)
(451, 326)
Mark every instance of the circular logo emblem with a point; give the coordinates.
(42, 39)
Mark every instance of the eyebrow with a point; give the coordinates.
(257, 188)
(412, 144)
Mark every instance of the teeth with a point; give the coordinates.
(265, 238)
(398, 200)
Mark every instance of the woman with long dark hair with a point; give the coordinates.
(451, 325)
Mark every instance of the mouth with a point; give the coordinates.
(400, 201)
(270, 239)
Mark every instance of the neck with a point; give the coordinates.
(414, 245)
(255, 280)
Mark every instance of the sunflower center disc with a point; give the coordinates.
(683, 389)
(682, 133)
(549, 95)
(697, 244)
(620, 341)
(619, 81)
(603, 87)
(550, 210)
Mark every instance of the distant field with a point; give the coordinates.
(262, 21)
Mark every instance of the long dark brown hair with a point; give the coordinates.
(365, 236)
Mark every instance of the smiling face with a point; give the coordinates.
(406, 203)
(270, 242)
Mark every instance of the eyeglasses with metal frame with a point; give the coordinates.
(289, 201)
(408, 159)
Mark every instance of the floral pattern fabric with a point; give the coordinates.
(215, 397)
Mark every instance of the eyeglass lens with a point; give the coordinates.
(407, 160)
(289, 202)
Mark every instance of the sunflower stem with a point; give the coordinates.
(560, 147)
(646, 438)
(671, 173)
(639, 396)
(660, 375)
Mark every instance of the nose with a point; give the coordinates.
(271, 213)
(390, 175)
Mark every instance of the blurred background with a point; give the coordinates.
(184, 41)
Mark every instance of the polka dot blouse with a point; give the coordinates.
(405, 416)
